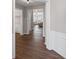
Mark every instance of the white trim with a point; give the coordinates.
(54, 40)
(13, 28)
(13, 46)
(47, 16)
(57, 42)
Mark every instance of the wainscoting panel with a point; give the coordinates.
(57, 42)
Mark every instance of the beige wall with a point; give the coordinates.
(58, 15)
(56, 26)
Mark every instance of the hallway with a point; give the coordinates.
(32, 46)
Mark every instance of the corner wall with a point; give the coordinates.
(56, 26)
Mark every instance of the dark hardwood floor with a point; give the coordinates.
(32, 46)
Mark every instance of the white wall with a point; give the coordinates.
(56, 26)
(27, 20)
(19, 18)
(58, 15)
(18, 21)
(44, 22)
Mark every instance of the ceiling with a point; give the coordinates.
(32, 2)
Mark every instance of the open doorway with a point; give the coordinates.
(29, 19)
(38, 16)
(33, 20)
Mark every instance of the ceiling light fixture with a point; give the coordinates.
(28, 1)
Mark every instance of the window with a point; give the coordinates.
(37, 15)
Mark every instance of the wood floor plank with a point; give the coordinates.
(32, 47)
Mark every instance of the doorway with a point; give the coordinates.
(38, 17)
(29, 29)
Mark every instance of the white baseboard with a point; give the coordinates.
(57, 42)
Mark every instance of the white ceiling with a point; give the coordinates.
(32, 2)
